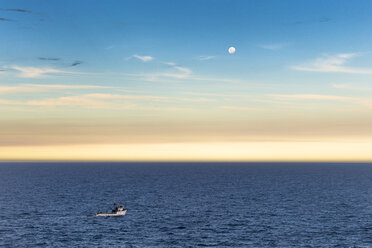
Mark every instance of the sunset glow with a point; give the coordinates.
(114, 84)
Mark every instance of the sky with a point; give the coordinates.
(154, 81)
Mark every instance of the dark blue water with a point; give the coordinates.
(186, 205)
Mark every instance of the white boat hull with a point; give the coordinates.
(120, 213)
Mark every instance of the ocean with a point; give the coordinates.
(186, 204)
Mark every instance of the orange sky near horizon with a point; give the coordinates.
(357, 151)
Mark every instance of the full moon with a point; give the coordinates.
(231, 50)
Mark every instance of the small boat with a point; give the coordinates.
(117, 211)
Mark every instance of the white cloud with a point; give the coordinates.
(132, 97)
(173, 74)
(340, 86)
(44, 87)
(145, 97)
(35, 72)
(143, 58)
(351, 87)
(184, 72)
(313, 97)
(98, 100)
(86, 101)
(216, 94)
(173, 77)
(66, 86)
(68, 101)
(362, 101)
(103, 101)
(179, 68)
(272, 47)
(333, 63)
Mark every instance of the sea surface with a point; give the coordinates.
(186, 204)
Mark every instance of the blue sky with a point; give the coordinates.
(302, 71)
(102, 33)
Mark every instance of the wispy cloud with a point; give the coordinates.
(5, 19)
(240, 108)
(76, 63)
(16, 10)
(179, 68)
(313, 97)
(145, 97)
(177, 73)
(118, 96)
(86, 101)
(41, 16)
(215, 94)
(143, 58)
(70, 101)
(24, 88)
(183, 72)
(96, 100)
(321, 20)
(363, 101)
(341, 86)
(49, 58)
(8, 102)
(334, 63)
(272, 47)
(66, 86)
(174, 77)
(351, 87)
(206, 57)
(36, 72)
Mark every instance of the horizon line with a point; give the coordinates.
(184, 161)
